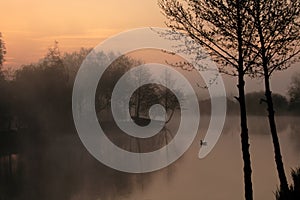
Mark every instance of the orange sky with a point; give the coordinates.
(29, 27)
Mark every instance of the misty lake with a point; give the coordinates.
(61, 168)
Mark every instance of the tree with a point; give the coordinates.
(111, 76)
(53, 61)
(43, 95)
(168, 98)
(255, 103)
(72, 62)
(225, 30)
(2, 50)
(140, 95)
(294, 94)
(2, 53)
(278, 38)
(4, 87)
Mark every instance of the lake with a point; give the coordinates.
(61, 168)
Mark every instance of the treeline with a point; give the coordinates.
(256, 103)
(38, 96)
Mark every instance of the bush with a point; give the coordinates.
(294, 190)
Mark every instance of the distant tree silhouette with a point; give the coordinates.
(5, 105)
(277, 43)
(294, 94)
(255, 104)
(41, 95)
(225, 30)
(2, 53)
(140, 95)
(142, 98)
(2, 50)
(72, 62)
(110, 77)
(167, 97)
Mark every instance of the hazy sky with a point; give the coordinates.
(30, 27)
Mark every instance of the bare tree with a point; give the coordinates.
(294, 93)
(140, 95)
(168, 98)
(72, 62)
(225, 30)
(2, 52)
(277, 42)
(111, 77)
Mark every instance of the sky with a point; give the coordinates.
(30, 27)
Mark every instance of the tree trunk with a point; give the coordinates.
(243, 113)
(245, 141)
(138, 104)
(171, 115)
(278, 158)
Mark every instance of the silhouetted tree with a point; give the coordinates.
(277, 43)
(41, 95)
(53, 62)
(225, 30)
(2, 50)
(294, 94)
(72, 62)
(255, 103)
(2, 53)
(167, 98)
(4, 91)
(111, 76)
(140, 95)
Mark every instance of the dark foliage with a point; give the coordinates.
(294, 189)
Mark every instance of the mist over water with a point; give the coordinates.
(61, 168)
(219, 175)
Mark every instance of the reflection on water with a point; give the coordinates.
(61, 168)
